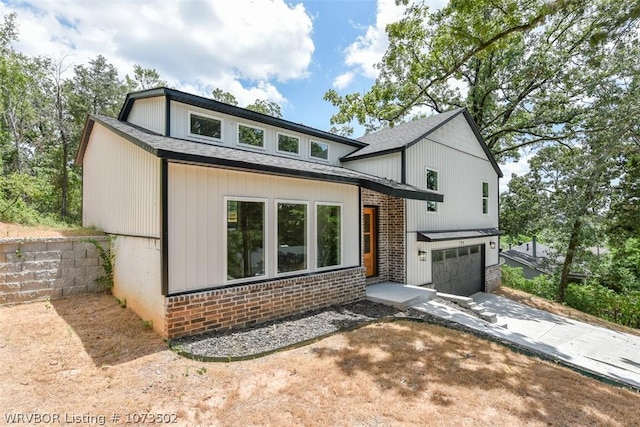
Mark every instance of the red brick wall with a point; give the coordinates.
(250, 304)
(391, 236)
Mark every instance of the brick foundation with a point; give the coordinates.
(492, 278)
(48, 268)
(391, 236)
(246, 305)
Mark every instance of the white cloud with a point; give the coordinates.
(226, 44)
(343, 80)
(367, 50)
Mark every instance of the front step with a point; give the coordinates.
(398, 295)
(469, 303)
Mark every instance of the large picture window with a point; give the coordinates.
(200, 125)
(432, 184)
(329, 235)
(292, 237)
(249, 135)
(245, 239)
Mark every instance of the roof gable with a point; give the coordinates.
(405, 135)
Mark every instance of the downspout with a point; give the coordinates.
(164, 205)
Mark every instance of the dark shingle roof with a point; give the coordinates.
(232, 158)
(400, 136)
(404, 135)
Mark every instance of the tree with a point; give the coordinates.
(264, 106)
(222, 96)
(144, 78)
(512, 65)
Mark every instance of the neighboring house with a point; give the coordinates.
(226, 217)
(536, 258)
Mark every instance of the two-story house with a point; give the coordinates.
(224, 217)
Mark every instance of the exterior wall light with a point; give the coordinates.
(492, 244)
(422, 255)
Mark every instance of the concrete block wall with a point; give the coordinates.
(48, 268)
(250, 304)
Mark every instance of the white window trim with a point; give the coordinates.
(311, 142)
(426, 171)
(315, 236)
(204, 138)
(255, 147)
(308, 231)
(488, 198)
(287, 153)
(266, 243)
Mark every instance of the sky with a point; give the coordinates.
(290, 52)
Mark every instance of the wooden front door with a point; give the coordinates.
(370, 242)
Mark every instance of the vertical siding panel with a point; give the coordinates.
(389, 166)
(120, 186)
(197, 218)
(148, 113)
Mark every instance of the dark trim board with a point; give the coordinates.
(164, 224)
(440, 236)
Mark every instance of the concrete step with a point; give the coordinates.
(398, 295)
(489, 316)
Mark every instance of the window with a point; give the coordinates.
(207, 126)
(329, 235)
(292, 237)
(288, 144)
(432, 184)
(485, 197)
(320, 150)
(245, 239)
(249, 135)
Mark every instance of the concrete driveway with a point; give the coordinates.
(595, 350)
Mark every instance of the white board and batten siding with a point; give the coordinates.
(388, 166)
(180, 129)
(149, 113)
(197, 219)
(462, 166)
(121, 186)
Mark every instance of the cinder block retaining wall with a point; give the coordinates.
(36, 269)
(256, 303)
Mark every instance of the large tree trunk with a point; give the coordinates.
(568, 260)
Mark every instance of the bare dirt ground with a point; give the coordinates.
(88, 357)
(8, 230)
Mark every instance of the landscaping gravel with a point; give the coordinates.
(294, 330)
(278, 334)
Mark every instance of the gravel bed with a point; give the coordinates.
(268, 337)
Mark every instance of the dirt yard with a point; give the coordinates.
(77, 360)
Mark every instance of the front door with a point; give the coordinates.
(370, 241)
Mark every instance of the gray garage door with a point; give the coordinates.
(458, 271)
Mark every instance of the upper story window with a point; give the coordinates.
(205, 126)
(319, 150)
(288, 144)
(485, 197)
(432, 184)
(249, 135)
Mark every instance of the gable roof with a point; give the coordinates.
(221, 107)
(232, 158)
(404, 135)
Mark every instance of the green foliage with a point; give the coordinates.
(605, 303)
(600, 301)
(107, 256)
(264, 106)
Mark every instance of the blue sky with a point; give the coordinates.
(290, 52)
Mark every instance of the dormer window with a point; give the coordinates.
(319, 150)
(288, 144)
(252, 136)
(201, 125)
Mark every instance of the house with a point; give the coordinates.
(536, 259)
(225, 217)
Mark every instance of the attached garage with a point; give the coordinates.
(458, 271)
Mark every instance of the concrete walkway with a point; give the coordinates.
(598, 351)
